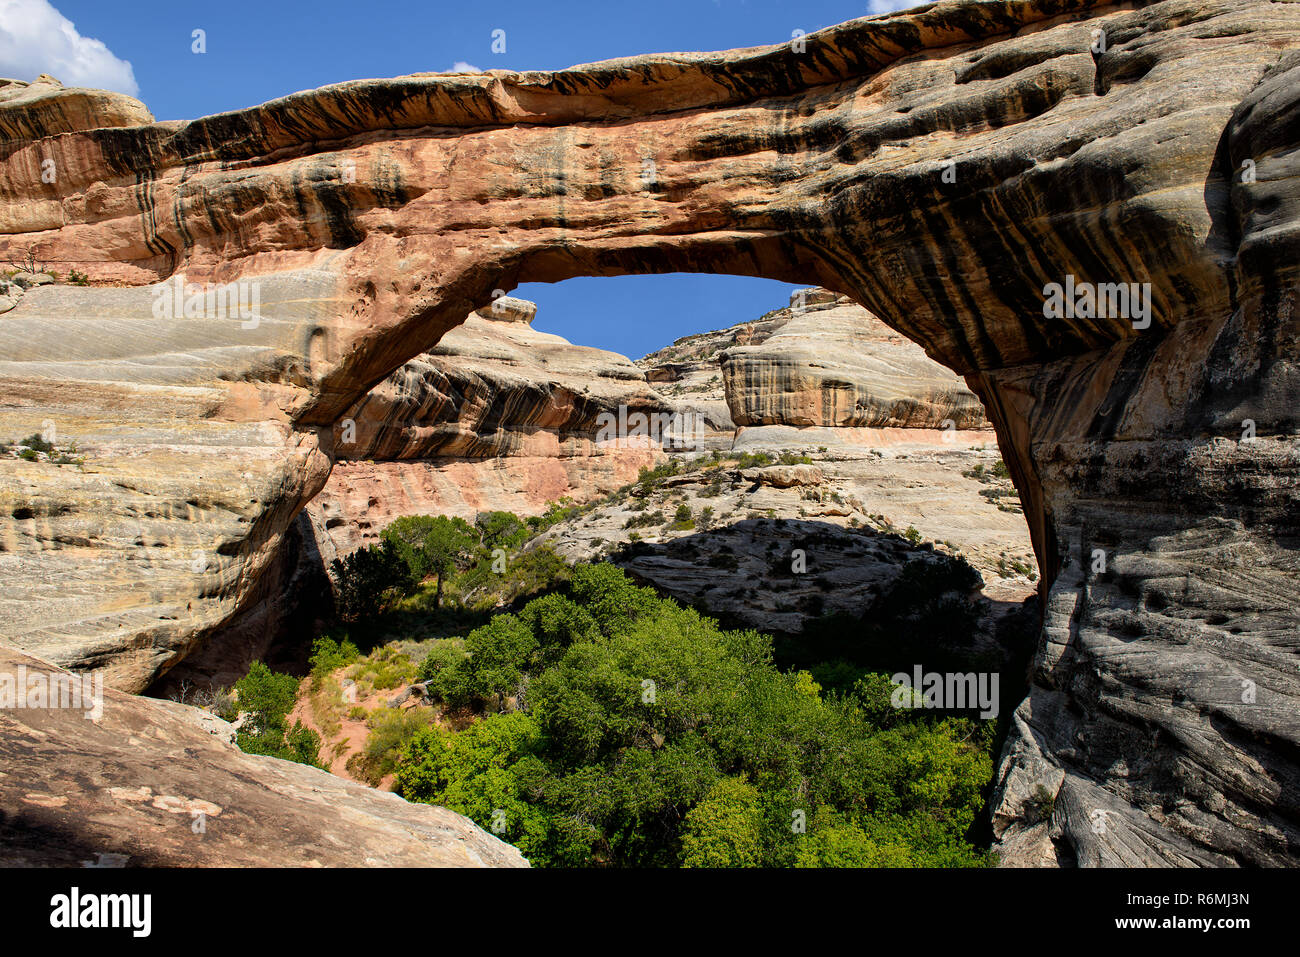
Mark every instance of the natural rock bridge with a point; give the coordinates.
(941, 166)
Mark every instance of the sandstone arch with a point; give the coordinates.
(382, 212)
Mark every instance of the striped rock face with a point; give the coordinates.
(832, 364)
(1090, 212)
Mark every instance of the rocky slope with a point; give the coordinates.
(731, 556)
(944, 166)
(151, 783)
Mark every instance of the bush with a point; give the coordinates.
(391, 730)
(555, 513)
(645, 520)
(683, 520)
(328, 655)
(385, 668)
(725, 829)
(445, 673)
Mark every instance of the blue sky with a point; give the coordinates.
(260, 49)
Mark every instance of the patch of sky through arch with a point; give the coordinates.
(635, 315)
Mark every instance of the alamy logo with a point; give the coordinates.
(21, 689)
(950, 691)
(179, 299)
(679, 429)
(74, 909)
(1107, 300)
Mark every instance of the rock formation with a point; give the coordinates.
(823, 361)
(952, 168)
(158, 784)
(689, 375)
(496, 415)
(830, 363)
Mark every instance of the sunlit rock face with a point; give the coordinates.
(943, 167)
(832, 364)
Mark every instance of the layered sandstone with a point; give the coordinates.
(689, 375)
(940, 166)
(831, 364)
(495, 415)
(45, 107)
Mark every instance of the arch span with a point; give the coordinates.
(943, 166)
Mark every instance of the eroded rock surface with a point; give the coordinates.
(373, 216)
(831, 363)
(496, 415)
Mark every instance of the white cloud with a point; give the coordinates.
(460, 66)
(877, 7)
(35, 38)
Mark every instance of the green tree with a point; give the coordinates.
(725, 829)
(368, 581)
(500, 653)
(432, 545)
(483, 772)
(445, 671)
(501, 530)
(649, 736)
(265, 699)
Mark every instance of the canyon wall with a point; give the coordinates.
(942, 166)
(495, 415)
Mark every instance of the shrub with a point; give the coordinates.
(725, 829)
(329, 655)
(682, 519)
(645, 520)
(391, 729)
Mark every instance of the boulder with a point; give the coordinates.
(785, 476)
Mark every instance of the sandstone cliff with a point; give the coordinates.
(688, 374)
(496, 415)
(831, 363)
(943, 166)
